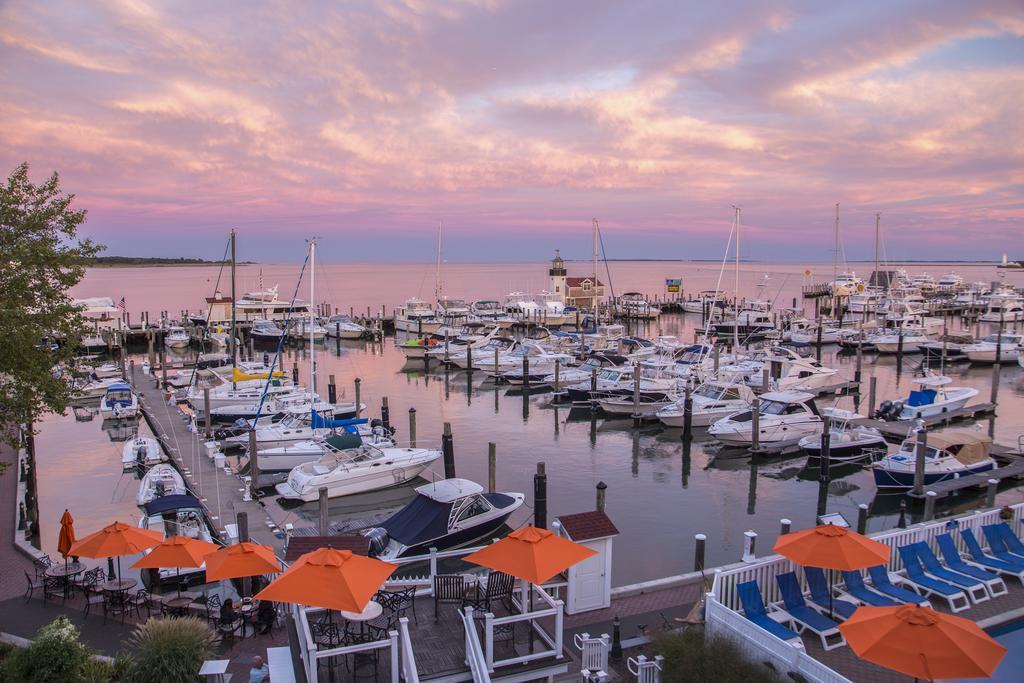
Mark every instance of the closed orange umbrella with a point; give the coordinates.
(331, 579)
(115, 540)
(832, 547)
(177, 552)
(922, 643)
(531, 554)
(241, 560)
(67, 534)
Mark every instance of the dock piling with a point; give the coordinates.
(254, 465)
(688, 413)
(862, 518)
(448, 450)
(385, 414)
(332, 390)
(526, 374)
(207, 418)
(322, 500)
(359, 405)
(929, 505)
(700, 541)
(921, 451)
(872, 395)
(602, 490)
(540, 497)
(242, 522)
(755, 424)
(784, 526)
(412, 428)
(990, 493)
(558, 372)
(492, 467)
(637, 418)
(749, 545)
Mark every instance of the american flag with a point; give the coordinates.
(121, 304)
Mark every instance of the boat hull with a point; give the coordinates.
(362, 483)
(892, 479)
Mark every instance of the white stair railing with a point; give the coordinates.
(593, 653)
(645, 670)
(409, 673)
(475, 658)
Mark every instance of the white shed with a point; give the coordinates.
(590, 581)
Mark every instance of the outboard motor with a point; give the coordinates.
(378, 539)
(883, 410)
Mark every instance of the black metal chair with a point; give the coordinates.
(94, 594)
(227, 628)
(141, 598)
(34, 584)
(449, 589)
(401, 601)
(213, 605)
(41, 564)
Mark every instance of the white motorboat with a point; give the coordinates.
(447, 341)
(265, 331)
(343, 327)
(503, 346)
(284, 458)
(568, 376)
(950, 282)
(176, 515)
(219, 338)
(416, 316)
(107, 370)
(554, 311)
(1007, 345)
(305, 329)
(279, 405)
(866, 301)
(708, 301)
(933, 397)
(540, 366)
(949, 454)
(453, 311)
(908, 339)
(711, 401)
(624, 406)
(160, 480)
(444, 514)
(1003, 308)
(292, 429)
(847, 441)
(788, 371)
(119, 401)
(635, 305)
(176, 338)
(95, 388)
(846, 284)
(141, 452)
(830, 334)
(492, 312)
(923, 282)
(784, 418)
(356, 470)
(608, 379)
(750, 323)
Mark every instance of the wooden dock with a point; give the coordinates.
(1013, 470)
(898, 429)
(221, 490)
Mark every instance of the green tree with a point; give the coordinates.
(40, 261)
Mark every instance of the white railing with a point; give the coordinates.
(311, 654)
(409, 673)
(532, 618)
(593, 652)
(645, 670)
(475, 659)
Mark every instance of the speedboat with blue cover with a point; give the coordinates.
(950, 455)
(119, 401)
(444, 514)
(932, 397)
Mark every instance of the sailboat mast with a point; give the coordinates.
(595, 247)
(233, 344)
(312, 321)
(736, 316)
(438, 287)
(878, 220)
(835, 251)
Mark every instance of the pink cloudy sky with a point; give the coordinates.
(517, 121)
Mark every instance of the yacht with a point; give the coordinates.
(282, 458)
(1003, 308)
(888, 340)
(343, 327)
(304, 328)
(865, 302)
(503, 346)
(160, 480)
(265, 331)
(492, 312)
(261, 304)
(176, 515)
(568, 376)
(932, 397)
(278, 406)
(444, 514)
(555, 313)
(519, 306)
(119, 401)
(140, 453)
(176, 338)
(787, 371)
(984, 351)
(447, 341)
(923, 282)
(950, 347)
(711, 401)
(846, 284)
(707, 301)
(950, 282)
(949, 455)
(784, 417)
(356, 470)
(634, 305)
(108, 370)
(808, 335)
(453, 311)
(847, 440)
(752, 322)
(416, 316)
(608, 379)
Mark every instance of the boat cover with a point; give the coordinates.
(319, 422)
(239, 376)
(921, 397)
(421, 520)
(967, 446)
(344, 441)
(175, 502)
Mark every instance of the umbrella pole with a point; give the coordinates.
(830, 615)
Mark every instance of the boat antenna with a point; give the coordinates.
(312, 322)
(234, 322)
(594, 239)
(878, 220)
(438, 287)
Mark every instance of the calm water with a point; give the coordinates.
(657, 500)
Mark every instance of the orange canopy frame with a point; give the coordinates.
(67, 534)
(177, 552)
(115, 540)
(241, 560)
(331, 579)
(920, 642)
(832, 547)
(531, 554)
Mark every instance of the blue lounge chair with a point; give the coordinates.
(1004, 533)
(881, 583)
(856, 589)
(976, 588)
(996, 586)
(820, 594)
(957, 599)
(1002, 562)
(753, 609)
(806, 618)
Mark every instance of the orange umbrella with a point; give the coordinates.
(922, 643)
(531, 554)
(241, 560)
(67, 534)
(832, 547)
(175, 553)
(115, 540)
(328, 578)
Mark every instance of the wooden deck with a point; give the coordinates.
(898, 428)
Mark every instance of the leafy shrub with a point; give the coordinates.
(171, 650)
(97, 671)
(56, 655)
(692, 657)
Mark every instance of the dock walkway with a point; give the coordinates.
(898, 428)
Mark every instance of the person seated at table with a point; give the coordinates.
(227, 613)
(259, 673)
(265, 617)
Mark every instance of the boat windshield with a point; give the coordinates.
(610, 375)
(709, 391)
(780, 408)
(910, 447)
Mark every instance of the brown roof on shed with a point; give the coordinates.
(578, 281)
(300, 545)
(585, 526)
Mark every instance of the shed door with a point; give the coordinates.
(590, 582)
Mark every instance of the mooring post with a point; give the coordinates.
(385, 414)
(242, 522)
(994, 396)
(412, 428)
(990, 493)
(749, 545)
(448, 451)
(929, 505)
(616, 652)
(526, 374)
(163, 366)
(207, 418)
(784, 526)
(254, 465)
(492, 467)
(872, 394)
(602, 490)
(862, 518)
(540, 498)
(332, 390)
(755, 424)
(825, 467)
(921, 451)
(324, 528)
(359, 405)
(558, 372)
(901, 522)
(688, 412)
(295, 372)
(700, 541)
(637, 417)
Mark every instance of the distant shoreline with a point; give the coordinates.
(157, 262)
(151, 262)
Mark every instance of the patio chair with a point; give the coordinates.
(449, 589)
(213, 605)
(1001, 536)
(1001, 562)
(821, 596)
(41, 564)
(325, 633)
(954, 596)
(139, 599)
(806, 618)
(951, 556)
(977, 590)
(854, 586)
(34, 584)
(94, 594)
(881, 582)
(499, 588)
(398, 602)
(754, 610)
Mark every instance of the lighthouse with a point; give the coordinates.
(556, 275)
